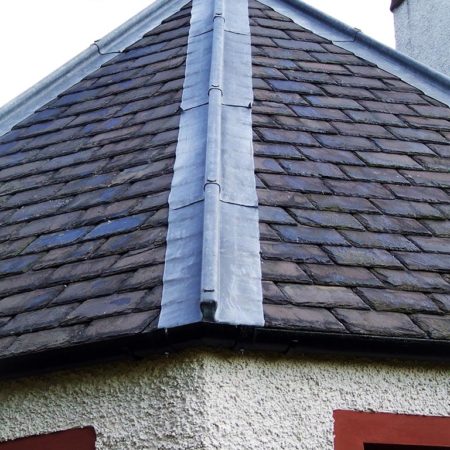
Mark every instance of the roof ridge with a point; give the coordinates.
(432, 82)
(214, 178)
(90, 59)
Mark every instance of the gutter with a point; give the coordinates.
(86, 62)
(432, 82)
(239, 339)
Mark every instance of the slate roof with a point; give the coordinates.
(352, 171)
(83, 200)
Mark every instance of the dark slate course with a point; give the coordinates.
(352, 168)
(84, 184)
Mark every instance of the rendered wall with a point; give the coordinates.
(218, 401)
(422, 31)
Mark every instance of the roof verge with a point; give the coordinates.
(87, 61)
(433, 83)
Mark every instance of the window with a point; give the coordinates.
(382, 431)
(77, 439)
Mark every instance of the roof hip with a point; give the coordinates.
(215, 149)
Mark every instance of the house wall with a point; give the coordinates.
(422, 31)
(201, 400)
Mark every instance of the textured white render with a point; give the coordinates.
(201, 400)
(422, 31)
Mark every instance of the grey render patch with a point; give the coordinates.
(213, 236)
(431, 82)
(86, 62)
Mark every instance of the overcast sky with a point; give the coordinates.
(38, 36)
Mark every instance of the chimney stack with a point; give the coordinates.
(422, 31)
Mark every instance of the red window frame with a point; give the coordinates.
(354, 430)
(75, 439)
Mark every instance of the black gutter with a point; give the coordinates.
(226, 337)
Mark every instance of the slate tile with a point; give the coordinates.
(283, 271)
(96, 287)
(293, 252)
(398, 301)
(18, 264)
(361, 129)
(384, 107)
(331, 155)
(322, 67)
(311, 319)
(294, 86)
(310, 235)
(123, 325)
(308, 168)
(396, 146)
(27, 213)
(386, 241)
(328, 219)
(375, 174)
(296, 123)
(147, 238)
(414, 134)
(426, 122)
(389, 160)
(322, 296)
(45, 340)
(271, 214)
(48, 241)
(345, 142)
(266, 233)
(433, 163)
(152, 299)
(105, 306)
(319, 113)
(438, 227)
(269, 165)
(28, 301)
(82, 270)
(276, 150)
(436, 179)
(272, 294)
(117, 226)
(364, 257)
(388, 224)
(285, 98)
(420, 193)
(282, 198)
(378, 323)
(341, 204)
(13, 248)
(359, 188)
(333, 102)
(36, 320)
(425, 261)
(436, 327)
(432, 244)
(146, 277)
(294, 183)
(408, 209)
(286, 137)
(443, 301)
(139, 258)
(347, 92)
(413, 281)
(342, 275)
(439, 112)
(352, 80)
(392, 96)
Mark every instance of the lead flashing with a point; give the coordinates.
(433, 83)
(214, 170)
(86, 62)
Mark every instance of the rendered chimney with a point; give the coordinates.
(422, 31)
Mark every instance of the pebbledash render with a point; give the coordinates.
(226, 225)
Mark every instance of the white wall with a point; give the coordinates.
(218, 400)
(422, 31)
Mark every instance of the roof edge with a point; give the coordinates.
(430, 81)
(90, 59)
(214, 336)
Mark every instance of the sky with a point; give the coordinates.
(38, 36)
